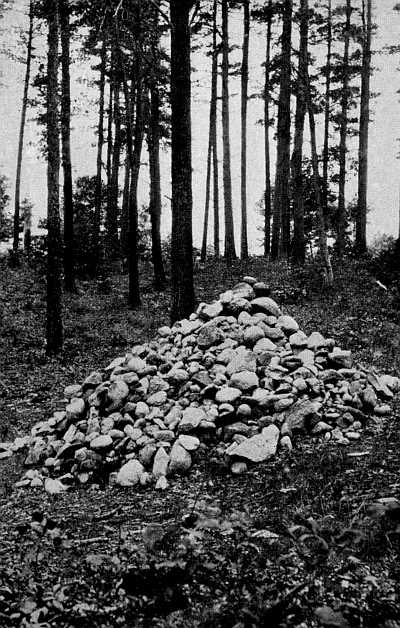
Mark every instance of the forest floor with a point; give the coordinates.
(294, 542)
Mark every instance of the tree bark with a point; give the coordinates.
(69, 271)
(267, 122)
(323, 245)
(341, 217)
(244, 248)
(214, 96)
(361, 221)
(182, 301)
(113, 192)
(109, 134)
(298, 251)
(125, 207)
(230, 250)
(208, 182)
(21, 134)
(54, 329)
(281, 217)
(99, 162)
(155, 188)
(327, 110)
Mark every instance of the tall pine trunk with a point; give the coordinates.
(155, 188)
(182, 298)
(341, 217)
(244, 248)
(267, 122)
(214, 145)
(230, 250)
(281, 218)
(327, 110)
(207, 202)
(298, 251)
(109, 135)
(361, 221)
(69, 272)
(113, 192)
(99, 162)
(125, 207)
(322, 240)
(54, 330)
(21, 134)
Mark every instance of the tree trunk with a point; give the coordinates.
(54, 330)
(69, 279)
(267, 122)
(323, 246)
(155, 188)
(99, 162)
(113, 192)
(208, 186)
(281, 218)
(341, 218)
(361, 221)
(214, 96)
(298, 252)
(109, 135)
(244, 248)
(125, 208)
(230, 250)
(325, 154)
(21, 134)
(27, 228)
(182, 303)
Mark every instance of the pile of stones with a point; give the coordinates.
(237, 377)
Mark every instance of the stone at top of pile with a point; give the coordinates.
(238, 375)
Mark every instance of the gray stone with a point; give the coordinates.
(180, 459)
(227, 395)
(146, 454)
(238, 468)
(157, 398)
(264, 345)
(252, 334)
(72, 391)
(288, 324)
(254, 449)
(117, 393)
(75, 409)
(244, 360)
(266, 305)
(300, 412)
(209, 335)
(243, 290)
(190, 443)
(130, 473)
(244, 381)
(207, 311)
(54, 487)
(261, 289)
(191, 419)
(101, 442)
(298, 339)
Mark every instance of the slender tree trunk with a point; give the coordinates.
(125, 207)
(21, 133)
(327, 110)
(298, 252)
(267, 122)
(281, 218)
(341, 218)
(54, 330)
(214, 145)
(323, 245)
(69, 272)
(109, 135)
(361, 222)
(244, 248)
(27, 229)
(99, 162)
(155, 188)
(112, 201)
(230, 250)
(182, 303)
(207, 204)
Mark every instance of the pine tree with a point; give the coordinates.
(54, 329)
(244, 250)
(21, 134)
(182, 298)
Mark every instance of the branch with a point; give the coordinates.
(195, 12)
(117, 10)
(161, 12)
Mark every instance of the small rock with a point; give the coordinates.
(160, 463)
(157, 399)
(101, 442)
(288, 324)
(180, 459)
(191, 419)
(244, 381)
(266, 305)
(227, 395)
(238, 468)
(161, 484)
(117, 393)
(54, 487)
(190, 443)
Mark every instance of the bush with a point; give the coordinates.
(385, 259)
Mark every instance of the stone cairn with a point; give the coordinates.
(238, 375)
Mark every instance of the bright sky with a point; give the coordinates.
(384, 130)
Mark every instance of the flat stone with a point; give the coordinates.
(252, 334)
(103, 441)
(298, 339)
(207, 311)
(209, 335)
(254, 449)
(227, 395)
(117, 393)
(190, 443)
(264, 345)
(158, 398)
(75, 409)
(244, 360)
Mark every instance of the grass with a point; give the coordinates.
(269, 548)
